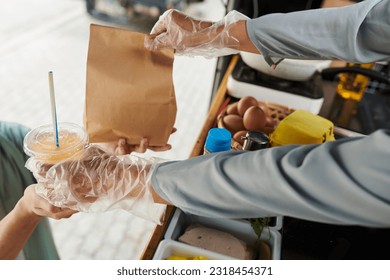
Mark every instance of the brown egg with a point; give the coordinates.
(232, 109)
(264, 107)
(268, 129)
(233, 123)
(238, 135)
(269, 121)
(254, 118)
(245, 103)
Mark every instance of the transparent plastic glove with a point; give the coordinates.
(94, 181)
(193, 37)
(121, 147)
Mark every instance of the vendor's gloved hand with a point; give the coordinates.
(121, 147)
(95, 181)
(192, 37)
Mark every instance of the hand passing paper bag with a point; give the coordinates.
(130, 92)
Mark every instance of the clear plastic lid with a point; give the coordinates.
(40, 142)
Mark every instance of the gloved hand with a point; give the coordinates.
(95, 181)
(121, 147)
(192, 37)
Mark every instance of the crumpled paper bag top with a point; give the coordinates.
(129, 89)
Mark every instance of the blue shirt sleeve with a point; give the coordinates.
(341, 182)
(354, 33)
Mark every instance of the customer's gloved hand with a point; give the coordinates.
(95, 181)
(192, 37)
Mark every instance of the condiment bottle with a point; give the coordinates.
(352, 85)
(255, 140)
(350, 90)
(218, 140)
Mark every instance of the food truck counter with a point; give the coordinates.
(290, 238)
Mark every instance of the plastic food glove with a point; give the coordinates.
(94, 181)
(121, 147)
(193, 37)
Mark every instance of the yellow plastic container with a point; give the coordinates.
(195, 258)
(302, 127)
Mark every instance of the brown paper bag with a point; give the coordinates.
(130, 91)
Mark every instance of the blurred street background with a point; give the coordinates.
(44, 35)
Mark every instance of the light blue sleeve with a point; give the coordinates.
(341, 182)
(354, 33)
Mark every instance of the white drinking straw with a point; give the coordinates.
(53, 108)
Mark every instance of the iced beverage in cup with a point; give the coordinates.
(40, 142)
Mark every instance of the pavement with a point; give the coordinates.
(44, 35)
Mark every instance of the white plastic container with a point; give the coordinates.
(242, 230)
(167, 248)
(294, 83)
(290, 69)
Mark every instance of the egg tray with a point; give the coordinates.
(276, 111)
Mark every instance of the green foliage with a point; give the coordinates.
(258, 225)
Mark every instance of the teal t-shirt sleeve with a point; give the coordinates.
(14, 178)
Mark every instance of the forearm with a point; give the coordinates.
(15, 230)
(144, 186)
(237, 37)
(341, 182)
(240, 32)
(98, 182)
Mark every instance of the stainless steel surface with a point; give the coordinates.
(342, 132)
(255, 140)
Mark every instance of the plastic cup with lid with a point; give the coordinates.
(40, 142)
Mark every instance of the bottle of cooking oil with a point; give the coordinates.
(352, 85)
